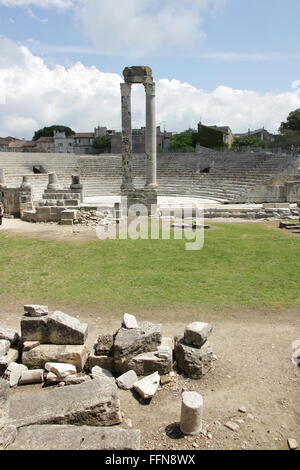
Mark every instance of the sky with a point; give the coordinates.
(224, 62)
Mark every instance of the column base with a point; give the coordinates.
(151, 187)
(144, 197)
(127, 187)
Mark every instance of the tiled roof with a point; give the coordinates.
(45, 139)
(84, 135)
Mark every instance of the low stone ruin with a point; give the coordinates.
(140, 349)
(83, 386)
(57, 204)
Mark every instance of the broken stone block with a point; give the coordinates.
(147, 363)
(36, 310)
(4, 402)
(105, 362)
(35, 329)
(11, 356)
(167, 342)
(165, 379)
(103, 345)
(69, 354)
(197, 333)
(129, 322)
(93, 403)
(293, 444)
(194, 362)
(98, 372)
(62, 437)
(60, 369)
(127, 380)
(11, 335)
(13, 373)
(55, 328)
(8, 435)
(130, 343)
(28, 345)
(35, 376)
(51, 378)
(64, 329)
(76, 380)
(4, 347)
(148, 386)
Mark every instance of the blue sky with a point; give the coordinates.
(234, 44)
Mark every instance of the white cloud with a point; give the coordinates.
(35, 17)
(40, 3)
(140, 27)
(81, 97)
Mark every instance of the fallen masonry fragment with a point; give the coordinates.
(127, 380)
(93, 403)
(54, 328)
(148, 386)
(197, 333)
(36, 310)
(11, 335)
(70, 354)
(4, 347)
(195, 362)
(54, 437)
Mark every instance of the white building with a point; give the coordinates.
(62, 143)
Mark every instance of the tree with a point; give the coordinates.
(292, 123)
(49, 131)
(102, 144)
(184, 142)
(249, 142)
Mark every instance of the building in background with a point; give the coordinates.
(215, 136)
(261, 134)
(45, 145)
(5, 142)
(139, 140)
(83, 142)
(63, 144)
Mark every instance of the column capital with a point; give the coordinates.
(150, 88)
(125, 89)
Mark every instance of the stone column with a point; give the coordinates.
(127, 181)
(2, 178)
(151, 138)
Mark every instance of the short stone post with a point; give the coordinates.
(191, 413)
(2, 178)
(53, 181)
(25, 185)
(77, 186)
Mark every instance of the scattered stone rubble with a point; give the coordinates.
(52, 351)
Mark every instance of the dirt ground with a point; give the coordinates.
(254, 371)
(81, 233)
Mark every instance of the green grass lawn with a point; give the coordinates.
(241, 264)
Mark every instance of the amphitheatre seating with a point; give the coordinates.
(227, 176)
